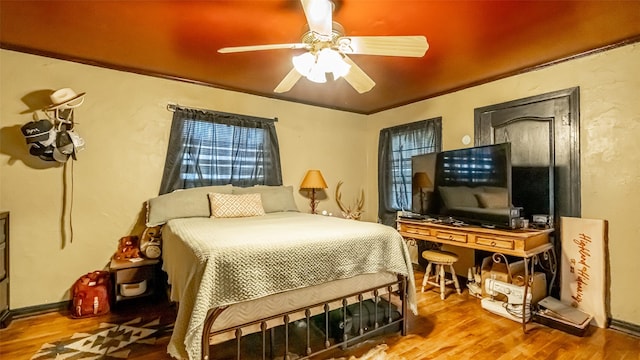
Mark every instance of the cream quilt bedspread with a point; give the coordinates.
(217, 262)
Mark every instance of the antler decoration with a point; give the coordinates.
(355, 210)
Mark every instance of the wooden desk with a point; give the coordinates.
(524, 243)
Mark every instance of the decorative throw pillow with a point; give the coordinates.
(492, 200)
(228, 205)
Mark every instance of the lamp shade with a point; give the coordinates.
(313, 180)
(421, 180)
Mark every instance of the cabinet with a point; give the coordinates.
(134, 279)
(5, 313)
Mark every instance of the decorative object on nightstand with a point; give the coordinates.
(313, 181)
(421, 182)
(151, 242)
(353, 211)
(128, 248)
(439, 259)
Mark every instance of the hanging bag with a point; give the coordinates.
(91, 295)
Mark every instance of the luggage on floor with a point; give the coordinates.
(91, 294)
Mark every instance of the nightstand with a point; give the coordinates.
(133, 279)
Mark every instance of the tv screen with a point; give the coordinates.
(472, 185)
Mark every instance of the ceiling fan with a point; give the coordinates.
(327, 48)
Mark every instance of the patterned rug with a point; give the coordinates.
(109, 341)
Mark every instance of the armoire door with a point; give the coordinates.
(544, 134)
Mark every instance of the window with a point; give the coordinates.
(396, 147)
(214, 148)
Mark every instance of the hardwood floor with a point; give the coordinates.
(454, 328)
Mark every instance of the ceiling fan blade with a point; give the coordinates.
(235, 49)
(319, 16)
(357, 78)
(289, 80)
(413, 46)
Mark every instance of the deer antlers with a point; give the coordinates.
(355, 210)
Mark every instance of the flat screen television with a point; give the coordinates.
(471, 185)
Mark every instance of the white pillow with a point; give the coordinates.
(230, 206)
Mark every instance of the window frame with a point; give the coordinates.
(214, 148)
(394, 164)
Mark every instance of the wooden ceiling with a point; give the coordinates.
(471, 42)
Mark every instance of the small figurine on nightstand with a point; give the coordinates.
(151, 242)
(128, 248)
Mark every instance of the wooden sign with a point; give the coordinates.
(583, 280)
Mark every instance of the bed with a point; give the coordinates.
(228, 270)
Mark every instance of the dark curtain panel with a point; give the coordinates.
(396, 146)
(216, 148)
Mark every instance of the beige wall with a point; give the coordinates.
(126, 126)
(610, 151)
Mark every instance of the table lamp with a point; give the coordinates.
(421, 181)
(313, 180)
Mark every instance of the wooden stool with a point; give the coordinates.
(440, 259)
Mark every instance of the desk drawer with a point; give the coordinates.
(451, 236)
(495, 242)
(415, 229)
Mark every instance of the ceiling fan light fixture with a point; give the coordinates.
(304, 63)
(314, 66)
(328, 50)
(317, 75)
(331, 61)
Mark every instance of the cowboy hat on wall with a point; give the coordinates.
(63, 101)
(65, 98)
(54, 138)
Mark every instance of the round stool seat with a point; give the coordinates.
(438, 259)
(440, 256)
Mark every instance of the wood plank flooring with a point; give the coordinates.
(454, 328)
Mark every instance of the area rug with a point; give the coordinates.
(109, 341)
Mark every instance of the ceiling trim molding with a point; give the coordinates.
(622, 43)
(138, 71)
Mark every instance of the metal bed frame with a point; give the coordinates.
(388, 322)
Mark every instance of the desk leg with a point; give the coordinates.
(549, 265)
(524, 300)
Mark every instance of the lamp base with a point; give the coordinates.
(313, 202)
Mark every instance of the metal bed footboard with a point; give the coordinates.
(401, 292)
